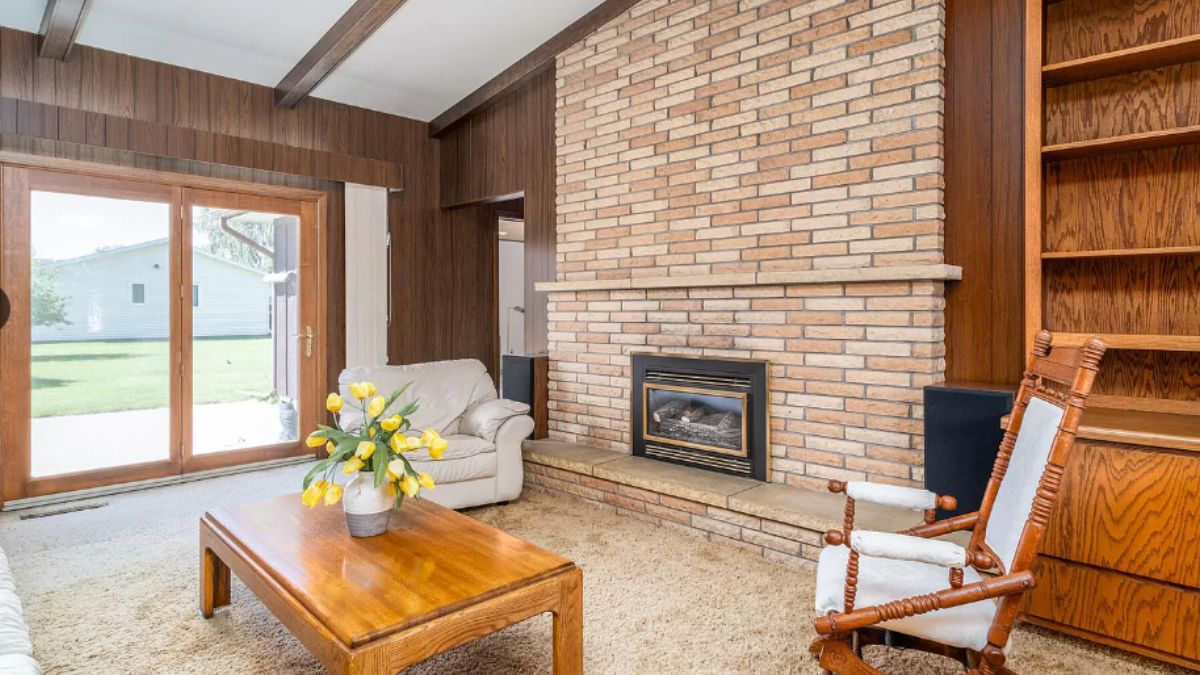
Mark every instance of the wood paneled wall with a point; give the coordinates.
(105, 107)
(984, 184)
(506, 150)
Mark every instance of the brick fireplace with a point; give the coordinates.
(756, 180)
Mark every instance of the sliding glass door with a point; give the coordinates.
(154, 330)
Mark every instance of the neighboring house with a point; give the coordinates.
(122, 294)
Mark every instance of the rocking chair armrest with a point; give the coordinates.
(937, 528)
(914, 549)
(1009, 584)
(913, 499)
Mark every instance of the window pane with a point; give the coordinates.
(100, 326)
(244, 360)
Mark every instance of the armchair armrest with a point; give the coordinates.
(1009, 584)
(903, 547)
(485, 418)
(912, 499)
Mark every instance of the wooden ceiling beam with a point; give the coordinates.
(60, 27)
(339, 42)
(529, 65)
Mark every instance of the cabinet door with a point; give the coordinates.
(1130, 509)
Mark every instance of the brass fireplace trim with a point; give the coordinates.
(741, 396)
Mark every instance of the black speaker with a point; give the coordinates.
(516, 378)
(962, 436)
(524, 378)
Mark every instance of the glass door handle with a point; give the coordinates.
(308, 336)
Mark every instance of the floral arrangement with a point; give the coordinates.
(375, 447)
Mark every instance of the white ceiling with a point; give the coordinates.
(425, 58)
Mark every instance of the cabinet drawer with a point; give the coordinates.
(1129, 509)
(1157, 616)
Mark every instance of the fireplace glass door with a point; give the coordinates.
(707, 419)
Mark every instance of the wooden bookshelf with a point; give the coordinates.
(1144, 57)
(1172, 343)
(1112, 249)
(1121, 253)
(1147, 140)
(1135, 427)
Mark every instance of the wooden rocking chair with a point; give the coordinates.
(925, 594)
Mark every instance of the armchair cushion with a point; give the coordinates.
(904, 547)
(891, 495)
(882, 580)
(485, 418)
(445, 389)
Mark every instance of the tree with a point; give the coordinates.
(223, 245)
(46, 306)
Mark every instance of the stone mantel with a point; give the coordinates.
(828, 276)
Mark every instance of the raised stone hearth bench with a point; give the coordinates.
(774, 520)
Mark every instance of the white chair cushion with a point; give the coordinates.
(891, 495)
(14, 634)
(445, 389)
(485, 418)
(1014, 500)
(19, 664)
(882, 580)
(458, 446)
(905, 547)
(481, 465)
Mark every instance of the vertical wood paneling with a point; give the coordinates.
(984, 201)
(506, 149)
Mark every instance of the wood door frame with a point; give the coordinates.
(309, 370)
(19, 174)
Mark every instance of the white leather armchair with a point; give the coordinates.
(482, 463)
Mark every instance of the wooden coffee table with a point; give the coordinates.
(436, 580)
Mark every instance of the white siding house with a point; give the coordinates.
(122, 294)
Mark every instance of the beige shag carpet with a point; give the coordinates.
(113, 590)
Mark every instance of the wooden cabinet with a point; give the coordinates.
(1112, 225)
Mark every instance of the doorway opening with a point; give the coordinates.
(510, 231)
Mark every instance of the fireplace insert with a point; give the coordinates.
(702, 412)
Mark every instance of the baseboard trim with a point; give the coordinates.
(108, 490)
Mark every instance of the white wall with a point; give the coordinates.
(366, 275)
(512, 294)
(97, 290)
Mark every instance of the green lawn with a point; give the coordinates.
(71, 378)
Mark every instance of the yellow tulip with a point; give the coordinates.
(428, 436)
(315, 440)
(409, 486)
(312, 494)
(362, 390)
(353, 465)
(365, 450)
(438, 447)
(395, 469)
(330, 448)
(425, 480)
(376, 406)
(397, 443)
(391, 490)
(333, 402)
(332, 494)
(392, 423)
(371, 432)
(412, 442)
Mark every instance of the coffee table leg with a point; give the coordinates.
(214, 579)
(568, 626)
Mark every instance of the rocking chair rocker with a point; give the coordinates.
(920, 593)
